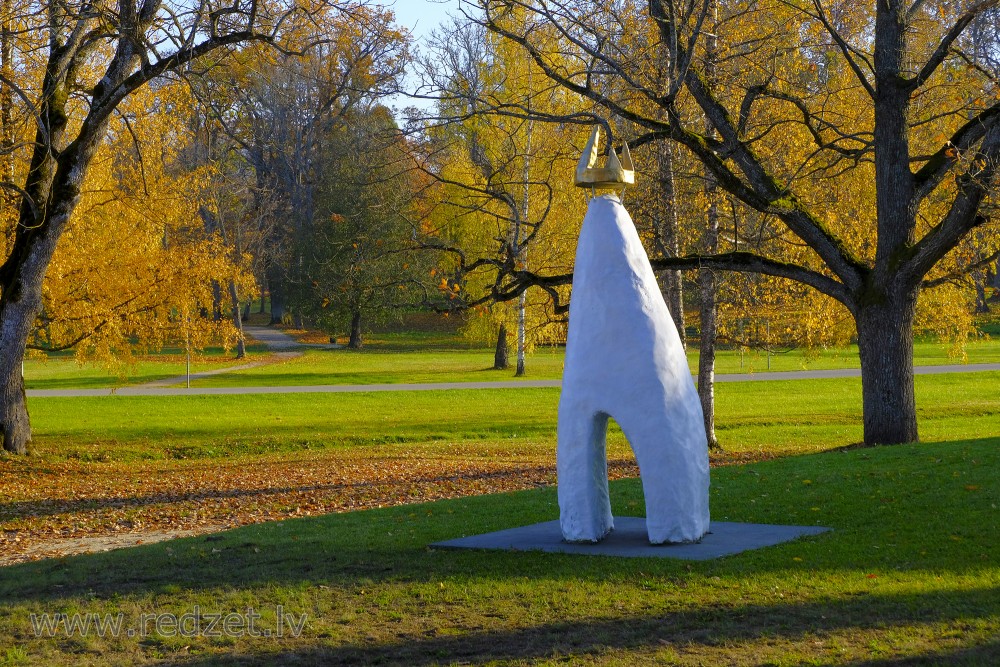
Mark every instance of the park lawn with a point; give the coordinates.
(427, 357)
(63, 371)
(373, 365)
(909, 571)
(105, 465)
(773, 417)
(410, 358)
(909, 575)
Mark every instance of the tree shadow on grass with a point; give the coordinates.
(358, 550)
(921, 532)
(701, 632)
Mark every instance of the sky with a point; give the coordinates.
(420, 17)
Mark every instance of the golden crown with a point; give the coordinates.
(616, 173)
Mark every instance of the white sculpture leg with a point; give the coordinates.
(625, 359)
(674, 478)
(582, 469)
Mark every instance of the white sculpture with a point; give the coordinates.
(624, 360)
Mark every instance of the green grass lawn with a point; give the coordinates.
(771, 417)
(380, 366)
(909, 575)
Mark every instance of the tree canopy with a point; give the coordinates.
(864, 137)
(828, 168)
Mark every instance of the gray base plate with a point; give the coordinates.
(629, 540)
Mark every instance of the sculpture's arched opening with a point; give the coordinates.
(622, 464)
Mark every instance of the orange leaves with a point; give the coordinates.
(449, 289)
(49, 503)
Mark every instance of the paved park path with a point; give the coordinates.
(286, 347)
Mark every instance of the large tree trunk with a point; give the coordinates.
(355, 342)
(20, 303)
(709, 319)
(706, 278)
(21, 275)
(15, 426)
(501, 358)
(885, 345)
(884, 312)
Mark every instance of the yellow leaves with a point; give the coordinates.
(135, 263)
(771, 313)
(946, 313)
